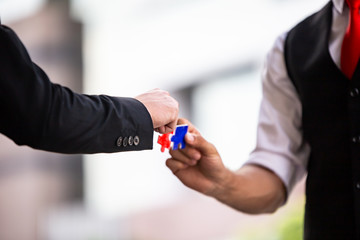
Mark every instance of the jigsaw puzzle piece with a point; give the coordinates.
(164, 141)
(179, 138)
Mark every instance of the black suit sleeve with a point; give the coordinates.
(47, 116)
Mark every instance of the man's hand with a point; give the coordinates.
(251, 189)
(199, 165)
(163, 109)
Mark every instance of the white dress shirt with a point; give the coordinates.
(280, 146)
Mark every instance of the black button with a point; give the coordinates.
(131, 140)
(125, 141)
(119, 141)
(358, 185)
(356, 139)
(354, 92)
(136, 140)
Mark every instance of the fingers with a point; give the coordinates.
(183, 121)
(198, 142)
(192, 128)
(165, 129)
(161, 129)
(196, 145)
(163, 109)
(171, 126)
(175, 166)
(188, 156)
(172, 117)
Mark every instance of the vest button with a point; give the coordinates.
(354, 92)
(358, 185)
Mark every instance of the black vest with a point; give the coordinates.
(331, 125)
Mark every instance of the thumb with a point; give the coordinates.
(198, 142)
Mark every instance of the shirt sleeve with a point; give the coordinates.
(280, 146)
(47, 116)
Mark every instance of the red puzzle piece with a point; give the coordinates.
(164, 141)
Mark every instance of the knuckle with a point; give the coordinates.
(165, 92)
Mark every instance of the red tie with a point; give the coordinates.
(350, 52)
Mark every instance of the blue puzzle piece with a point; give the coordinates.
(179, 136)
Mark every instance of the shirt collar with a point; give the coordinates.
(339, 5)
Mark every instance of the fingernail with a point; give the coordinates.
(190, 137)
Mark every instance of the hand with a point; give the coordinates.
(163, 109)
(251, 189)
(199, 165)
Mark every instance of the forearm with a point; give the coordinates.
(252, 189)
(47, 116)
(59, 120)
(77, 123)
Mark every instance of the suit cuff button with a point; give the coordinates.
(125, 141)
(131, 141)
(136, 140)
(119, 142)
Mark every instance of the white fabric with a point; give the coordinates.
(280, 146)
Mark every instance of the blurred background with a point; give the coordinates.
(207, 53)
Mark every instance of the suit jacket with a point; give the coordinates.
(47, 116)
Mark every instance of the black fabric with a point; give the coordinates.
(47, 116)
(331, 125)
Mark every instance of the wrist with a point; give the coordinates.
(224, 185)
